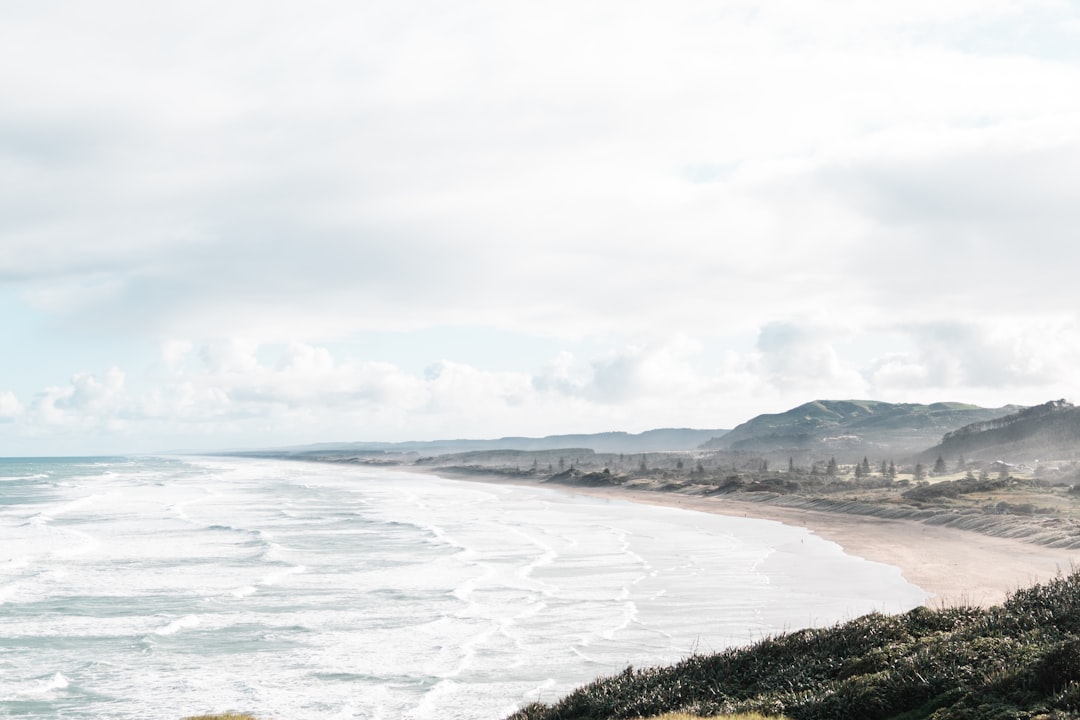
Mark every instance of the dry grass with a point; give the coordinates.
(223, 716)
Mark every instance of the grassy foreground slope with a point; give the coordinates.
(1017, 660)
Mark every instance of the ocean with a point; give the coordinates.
(162, 587)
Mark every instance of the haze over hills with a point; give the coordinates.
(608, 442)
(850, 429)
(1050, 431)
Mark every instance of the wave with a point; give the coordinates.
(44, 687)
(38, 519)
(278, 576)
(175, 626)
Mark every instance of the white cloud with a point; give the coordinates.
(174, 352)
(802, 357)
(1029, 357)
(10, 407)
(87, 399)
(300, 176)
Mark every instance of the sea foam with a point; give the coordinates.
(159, 587)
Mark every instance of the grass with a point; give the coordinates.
(222, 716)
(740, 716)
(1020, 660)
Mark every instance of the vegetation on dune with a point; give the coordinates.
(222, 716)
(1019, 660)
(740, 716)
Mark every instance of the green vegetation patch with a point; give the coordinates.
(740, 716)
(1017, 660)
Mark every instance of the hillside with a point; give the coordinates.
(1018, 660)
(1050, 431)
(851, 429)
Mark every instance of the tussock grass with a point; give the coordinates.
(1020, 660)
(222, 716)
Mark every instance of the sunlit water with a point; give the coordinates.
(159, 588)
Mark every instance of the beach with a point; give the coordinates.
(957, 567)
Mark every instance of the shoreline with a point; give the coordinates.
(956, 567)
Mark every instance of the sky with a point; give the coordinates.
(257, 223)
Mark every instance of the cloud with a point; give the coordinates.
(802, 357)
(293, 176)
(87, 400)
(10, 407)
(658, 370)
(972, 223)
(1023, 355)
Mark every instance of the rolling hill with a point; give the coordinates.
(850, 429)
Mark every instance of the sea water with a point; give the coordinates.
(164, 587)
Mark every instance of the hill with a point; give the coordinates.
(1017, 660)
(851, 429)
(1050, 431)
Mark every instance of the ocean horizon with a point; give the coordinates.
(161, 587)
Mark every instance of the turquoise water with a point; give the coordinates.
(165, 587)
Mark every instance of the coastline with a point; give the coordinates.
(957, 567)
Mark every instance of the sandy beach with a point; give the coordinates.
(957, 567)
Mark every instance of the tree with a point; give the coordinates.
(791, 464)
(960, 463)
(831, 468)
(920, 471)
(678, 465)
(939, 466)
(764, 466)
(892, 470)
(858, 471)
(884, 469)
(865, 465)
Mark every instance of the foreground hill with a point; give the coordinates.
(1050, 431)
(851, 429)
(1018, 660)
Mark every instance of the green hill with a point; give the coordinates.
(1018, 660)
(851, 429)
